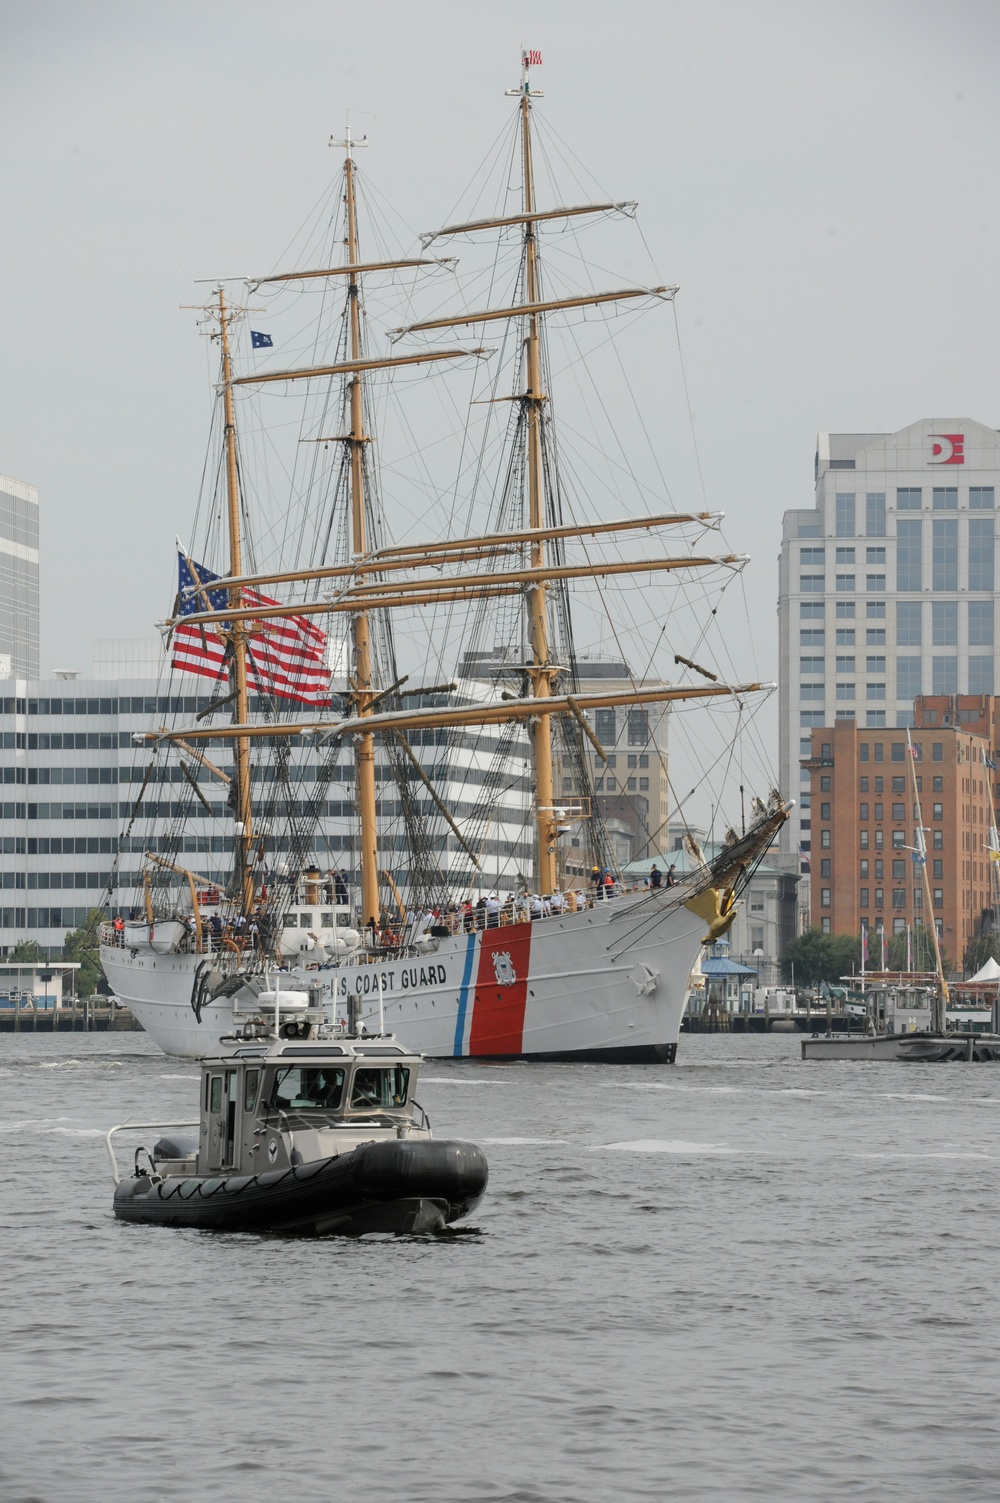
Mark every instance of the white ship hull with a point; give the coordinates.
(607, 982)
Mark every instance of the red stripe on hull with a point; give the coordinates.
(499, 1003)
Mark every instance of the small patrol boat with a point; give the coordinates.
(309, 1137)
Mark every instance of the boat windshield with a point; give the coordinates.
(298, 1087)
(384, 1087)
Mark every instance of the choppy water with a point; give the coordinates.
(740, 1278)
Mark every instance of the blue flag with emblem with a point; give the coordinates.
(260, 341)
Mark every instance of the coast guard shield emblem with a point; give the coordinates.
(503, 968)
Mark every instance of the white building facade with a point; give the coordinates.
(18, 579)
(887, 587)
(72, 771)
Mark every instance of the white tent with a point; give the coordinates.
(989, 972)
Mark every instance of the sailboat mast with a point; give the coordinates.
(940, 1017)
(363, 691)
(540, 670)
(242, 806)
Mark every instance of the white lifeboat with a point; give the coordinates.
(162, 937)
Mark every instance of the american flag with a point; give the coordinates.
(286, 656)
(531, 59)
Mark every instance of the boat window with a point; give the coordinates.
(215, 1101)
(305, 920)
(251, 1086)
(301, 1086)
(343, 919)
(380, 1087)
(326, 920)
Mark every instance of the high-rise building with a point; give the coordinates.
(18, 579)
(866, 872)
(886, 588)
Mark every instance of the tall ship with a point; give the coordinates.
(463, 891)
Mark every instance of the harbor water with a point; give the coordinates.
(743, 1277)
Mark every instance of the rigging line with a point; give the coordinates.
(510, 127)
(687, 400)
(326, 397)
(767, 761)
(212, 439)
(725, 654)
(646, 491)
(647, 913)
(268, 445)
(732, 745)
(319, 408)
(749, 622)
(312, 215)
(630, 675)
(691, 649)
(602, 406)
(389, 210)
(642, 421)
(480, 459)
(698, 750)
(566, 152)
(492, 378)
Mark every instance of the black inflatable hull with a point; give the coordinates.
(394, 1186)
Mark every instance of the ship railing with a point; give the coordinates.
(228, 940)
(137, 1127)
(395, 938)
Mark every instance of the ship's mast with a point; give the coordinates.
(238, 630)
(363, 692)
(940, 1014)
(368, 591)
(540, 670)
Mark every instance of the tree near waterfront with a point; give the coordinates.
(27, 952)
(81, 945)
(829, 957)
(815, 956)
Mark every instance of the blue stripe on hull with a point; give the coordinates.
(463, 996)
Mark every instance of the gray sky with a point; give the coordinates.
(820, 179)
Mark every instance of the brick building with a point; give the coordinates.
(865, 817)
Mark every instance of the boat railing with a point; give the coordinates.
(136, 1127)
(395, 937)
(423, 1122)
(229, 938)
(469, 919)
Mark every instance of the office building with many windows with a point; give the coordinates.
(886, 588)
(79, 787)
(18, 579)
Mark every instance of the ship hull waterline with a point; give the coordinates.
(606, 983)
